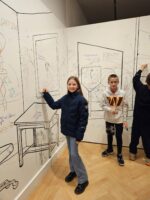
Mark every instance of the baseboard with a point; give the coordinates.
(23, 195)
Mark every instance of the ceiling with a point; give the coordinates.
(97, 11)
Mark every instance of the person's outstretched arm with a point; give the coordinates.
(50, 101)
(136, 79)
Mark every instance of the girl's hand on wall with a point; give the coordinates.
(44, 90)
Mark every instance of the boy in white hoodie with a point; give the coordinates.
(115, 108)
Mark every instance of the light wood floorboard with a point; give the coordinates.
(107, 180)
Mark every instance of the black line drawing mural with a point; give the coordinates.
(8, 183)
(9, 86)
(46, 62)
(34, 118)
(5, 152)
(95, 63)
(3, 73)
(25, 52)
(2, 42)
(9, 93)
(9, 81)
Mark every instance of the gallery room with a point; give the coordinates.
(74, 100)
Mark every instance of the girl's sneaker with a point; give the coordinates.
(107, 152)
(81, 187)
(70, 177)
(120, 160)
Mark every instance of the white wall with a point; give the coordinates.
(74, 14)
(33, 55)
(27, 6)
(95, 51)
(67, 11)
(58, 7)
(32, 45)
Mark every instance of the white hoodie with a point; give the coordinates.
(119, 102)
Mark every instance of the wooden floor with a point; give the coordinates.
(107, 180)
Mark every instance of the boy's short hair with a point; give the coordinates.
(112, 76)
(148, 79)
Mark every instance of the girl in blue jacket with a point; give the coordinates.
(74, 119)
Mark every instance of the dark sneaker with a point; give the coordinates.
(107, 153)
(120, 160)
(70, 176)
(81, 187)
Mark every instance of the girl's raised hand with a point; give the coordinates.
(143, 66)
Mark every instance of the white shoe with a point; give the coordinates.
(147, 162)
(132, 156)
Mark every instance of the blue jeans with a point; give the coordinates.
(75, 162)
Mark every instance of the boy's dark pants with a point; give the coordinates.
(145, 133)
(135, 136)
(140, 128)
(116, 129)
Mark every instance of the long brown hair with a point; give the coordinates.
(78, 83)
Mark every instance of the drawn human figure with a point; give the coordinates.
(3, 74)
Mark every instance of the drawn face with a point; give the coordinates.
(72, 86)
(113, 82)
(2, 42)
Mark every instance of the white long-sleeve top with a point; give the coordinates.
(117, 100)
